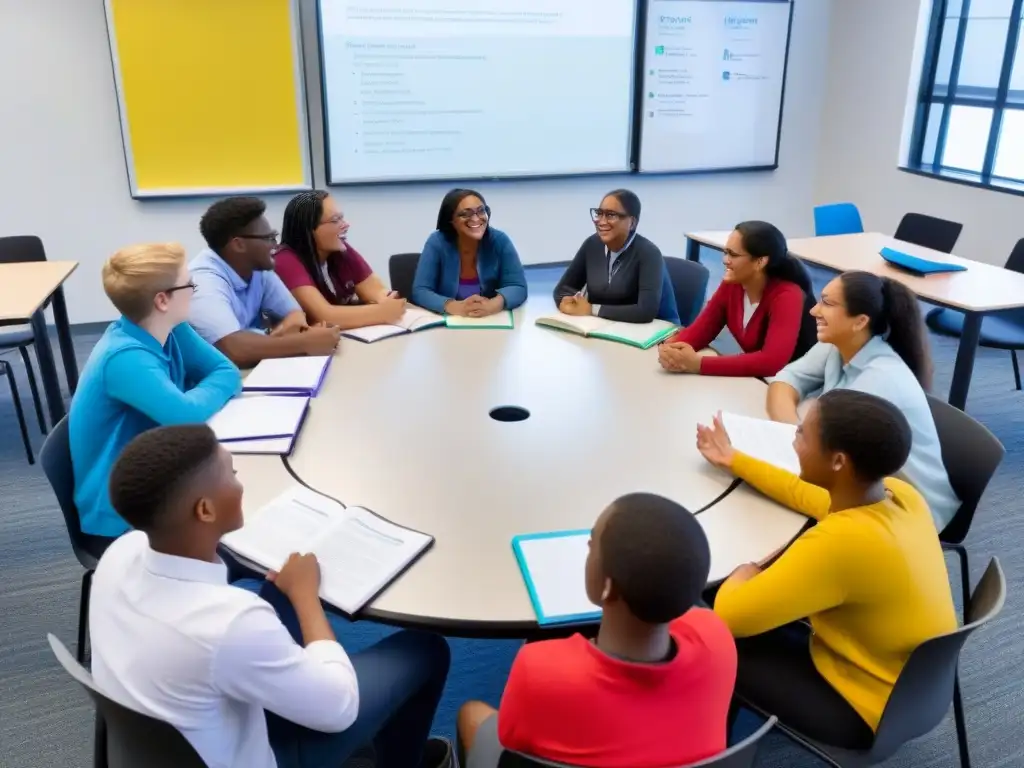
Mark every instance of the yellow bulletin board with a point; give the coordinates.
(211, 96)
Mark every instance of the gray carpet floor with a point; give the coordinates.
(45, 720)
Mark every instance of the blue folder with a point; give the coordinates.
(542, 618)
(917, 265)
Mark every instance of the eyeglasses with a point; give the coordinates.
(730, 253)
(270, 237)
(482, 212)
(334, 220)
(613, 216)
(174, 288)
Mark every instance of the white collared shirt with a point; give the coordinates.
(173, 640)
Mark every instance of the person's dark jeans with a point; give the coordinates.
(400, 683)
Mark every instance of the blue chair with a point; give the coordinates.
(837, 219)
(1002, 331)
(689, 283)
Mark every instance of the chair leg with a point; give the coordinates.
(961, 726)
(1016, 368)
(35, 388)
(83, 618)
(18, 411)
(965, 577)
(99, 744)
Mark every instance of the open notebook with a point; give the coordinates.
(502, 319)
(769, 441)
(260, 423)
(642, 335)
(553, 566)
(288, 375)
(359, 552)
(413, 319)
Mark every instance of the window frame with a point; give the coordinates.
(995, 99)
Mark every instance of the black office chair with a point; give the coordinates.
(920, 699)
(689, 284)
(1002, 331)
(971, 455)
(929, 231)
(125, 738)
(56, 461)
(7, 371)
(808, 335)
(402, 271)
(487, 752)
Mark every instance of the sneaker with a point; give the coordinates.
(364, 757)
(438, 753)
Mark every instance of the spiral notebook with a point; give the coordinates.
(553, 566)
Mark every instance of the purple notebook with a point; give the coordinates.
(289, 376)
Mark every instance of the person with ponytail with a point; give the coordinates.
(871, 338)
(331, 281)
(764, 301)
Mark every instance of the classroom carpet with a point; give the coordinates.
(46, 720)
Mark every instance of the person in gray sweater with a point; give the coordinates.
(616, 274)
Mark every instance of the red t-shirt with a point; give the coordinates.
(569, 702)
(344, 272)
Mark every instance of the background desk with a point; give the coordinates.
(401, 427)
(980, 290)
(25, 290)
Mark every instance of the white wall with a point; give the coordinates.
(62, 173)
(873, 65)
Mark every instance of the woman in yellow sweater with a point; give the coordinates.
(869, 576)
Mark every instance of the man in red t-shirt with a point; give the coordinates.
(653, 689)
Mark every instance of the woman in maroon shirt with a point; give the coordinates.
(764, 299)
(331, 281)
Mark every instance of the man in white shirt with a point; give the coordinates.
(172, 639)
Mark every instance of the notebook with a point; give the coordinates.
(289, 375)
(768, 441)
(553, 566)
(360, 553)
(414, 319)
(919, 266)
(501, 319)
(260, 423)
(642, 335)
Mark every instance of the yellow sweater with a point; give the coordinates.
(872, 580)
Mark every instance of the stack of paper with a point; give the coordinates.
(553, 566)
(412, 320)
(260, 423)
(768, 441)
(289, 375)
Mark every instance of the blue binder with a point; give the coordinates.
(917, 265)
(542, 618)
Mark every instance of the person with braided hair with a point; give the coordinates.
(328, 277)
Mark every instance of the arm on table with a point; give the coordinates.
(784, 319)
(424, 284)
(205, 365)
(246, 348)
(513, 278)
(707, 326)
(319, 310)
(575, 276)
(795, 382)
(648, 300)
(782, 486)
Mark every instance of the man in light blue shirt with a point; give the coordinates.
(877, 370)
(237, 291)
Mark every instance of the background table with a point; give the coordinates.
(402, 427)
(978, 291)
(25, 290)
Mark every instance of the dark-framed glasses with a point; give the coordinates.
(176, 288)
(269, 237)
(613, 216)
(483, 212)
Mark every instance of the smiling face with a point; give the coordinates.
(257, 244)
(740, 266)
(835, 324)
(612, 223)
(332, 229)
(470, 219)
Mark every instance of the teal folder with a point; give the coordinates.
(917, 265)
(521, 546)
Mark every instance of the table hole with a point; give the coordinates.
(509, 413)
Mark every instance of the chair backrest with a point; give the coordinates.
(929, 231)
(133, 739)
(668, 309)
(402, 271)
(1016, 260)
(689, 284)
(55, 458)
(808, 335)
(921, 697)
(17, 249)
(739, 755)
(837, 219)
(971, 455)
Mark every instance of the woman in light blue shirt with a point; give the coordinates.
(871, 339)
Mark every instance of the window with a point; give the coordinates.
(969, 123)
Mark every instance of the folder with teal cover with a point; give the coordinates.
(918, 265)
(553, 567)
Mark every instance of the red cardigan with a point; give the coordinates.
(769, 340)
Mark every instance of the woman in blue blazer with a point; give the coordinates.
(467, 267)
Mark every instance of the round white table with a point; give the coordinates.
(402, 427)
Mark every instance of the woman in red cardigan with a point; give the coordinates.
(764, 299)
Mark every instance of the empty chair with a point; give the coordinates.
(8, 371)
(487, 752)
(689, 284)
(929, 231)
(125, 738)
(56, 461)
(1002, 331)
(402, 271)
(837, 219)
(971, 455)
(920, 699)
